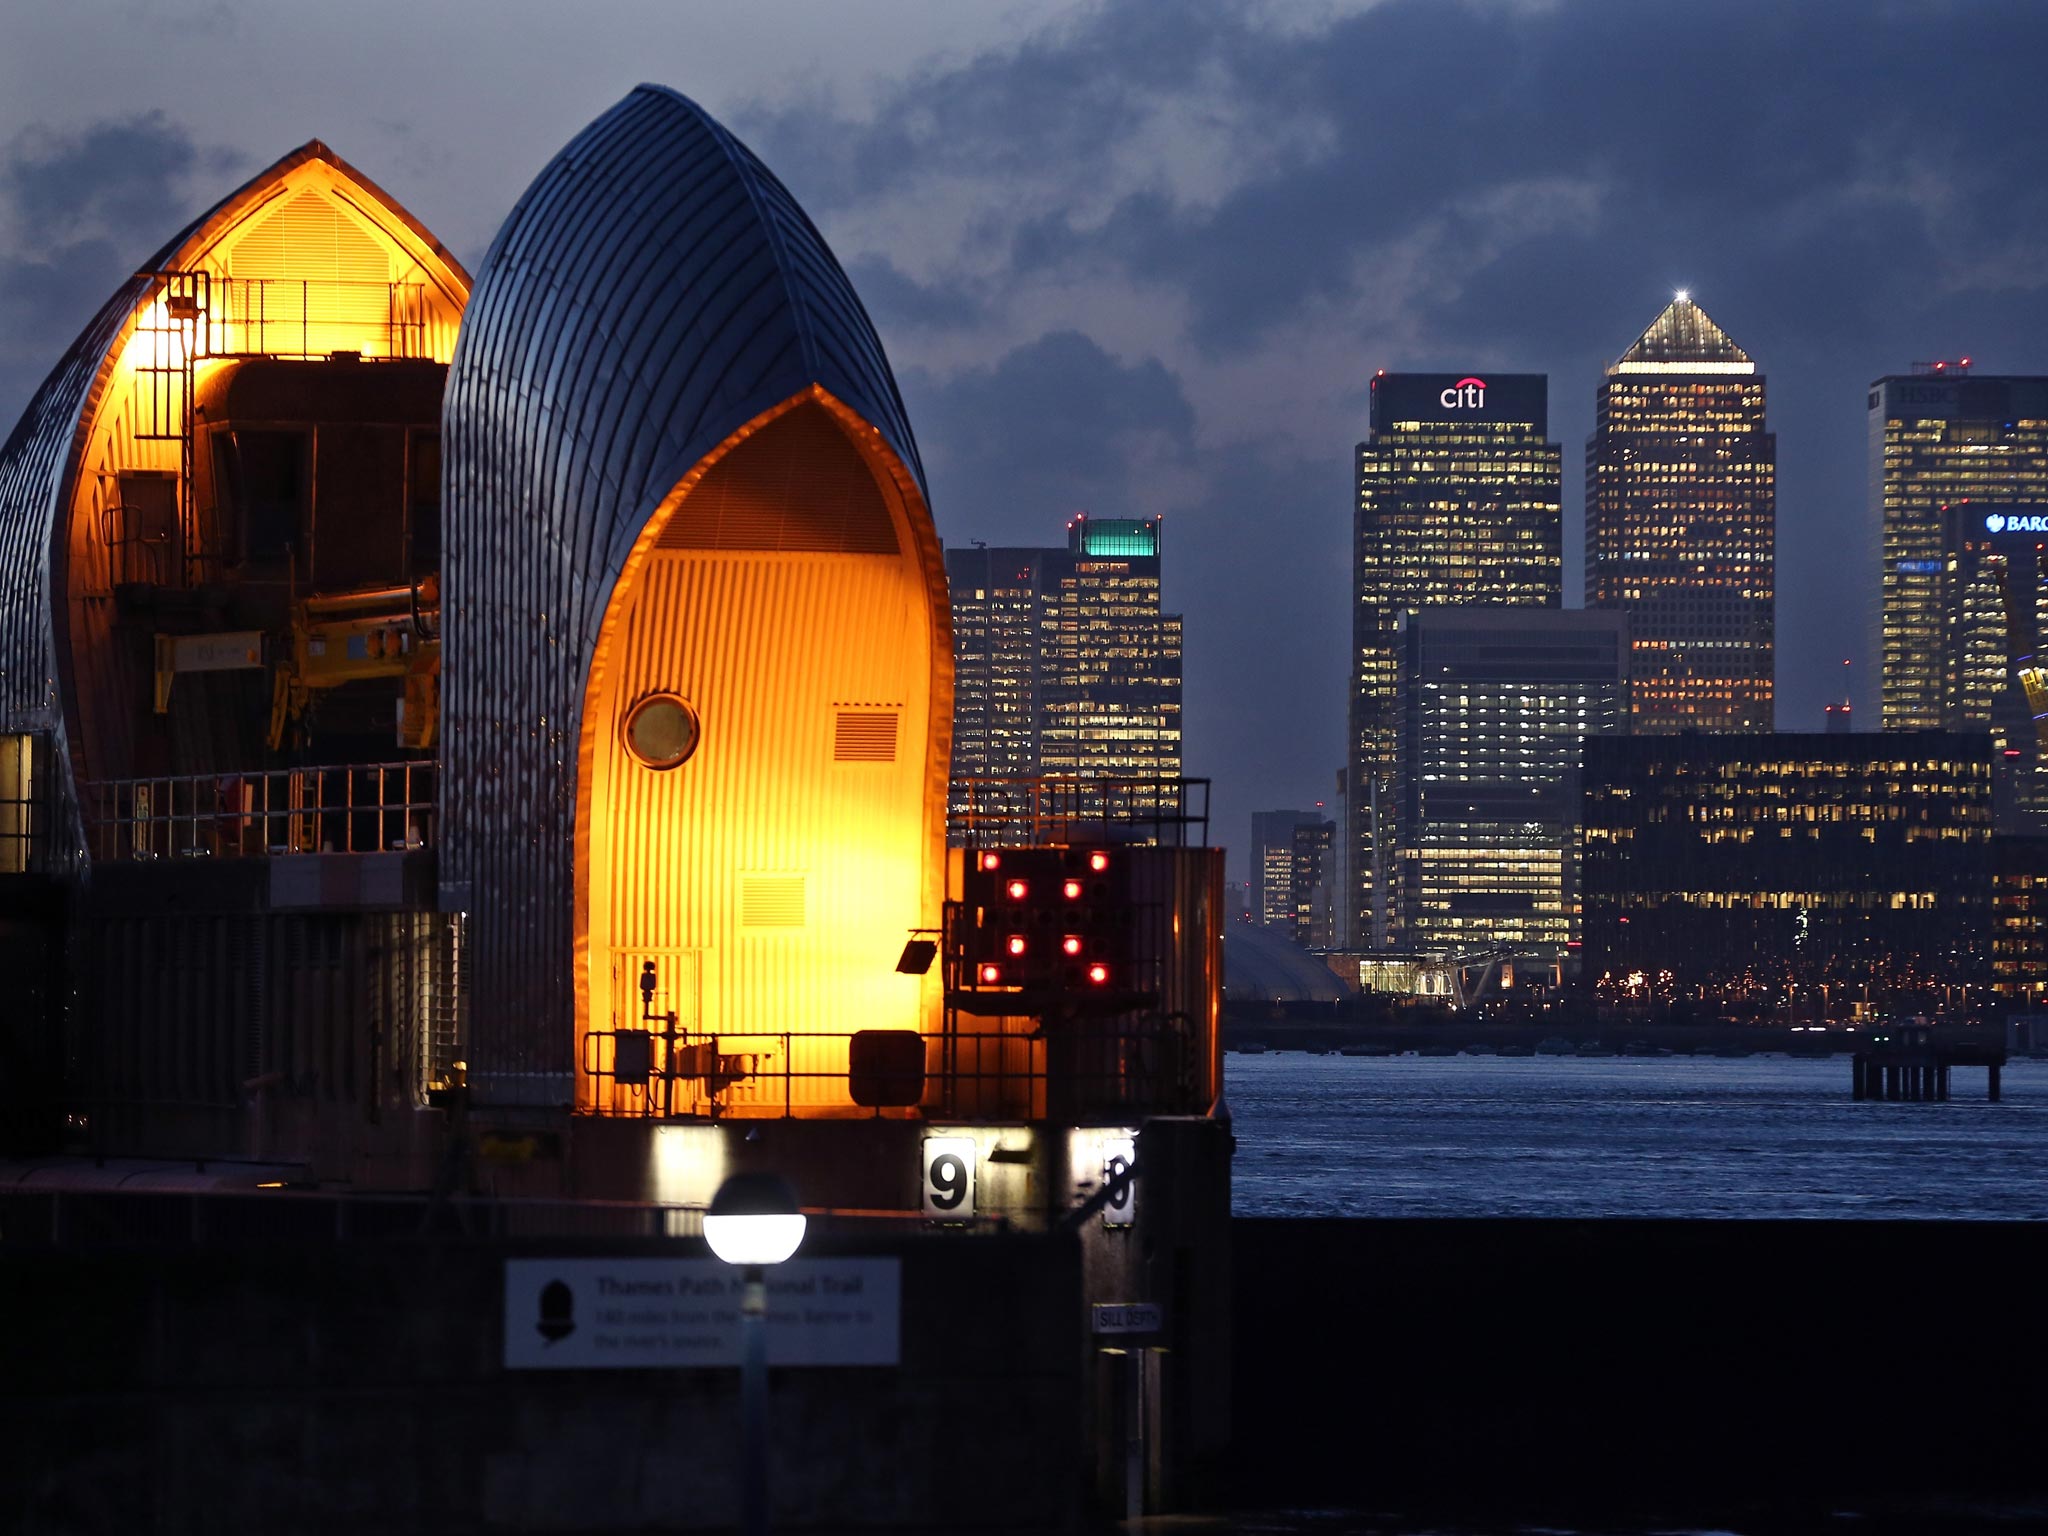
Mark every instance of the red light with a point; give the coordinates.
(1071, 944)
(991, 974)
(1071, 890)
(1098, 861)
(1099, 974)
(991, 861)
(1966, 362)
(1016, 943)
(1018, 890)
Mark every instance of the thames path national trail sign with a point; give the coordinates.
(625, 1314)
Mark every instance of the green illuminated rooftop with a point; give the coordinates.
(1113, 536)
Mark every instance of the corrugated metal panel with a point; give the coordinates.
(41, 464)
(655, 292)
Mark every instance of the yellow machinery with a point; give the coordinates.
(391, 632)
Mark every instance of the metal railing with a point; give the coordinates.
(1004, 1069)
(294, 318)
(1033, 812)
(277, 812)
(24, 808)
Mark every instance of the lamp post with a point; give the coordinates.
(754, 1221)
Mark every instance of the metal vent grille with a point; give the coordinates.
(864, 736)
(310, 239)
(771, 901)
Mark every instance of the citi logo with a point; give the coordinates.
(1465, 395)
(1998, 522)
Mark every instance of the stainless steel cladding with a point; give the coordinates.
(655, 292)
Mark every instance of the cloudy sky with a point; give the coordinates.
(1140, 257)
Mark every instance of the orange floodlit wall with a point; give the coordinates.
(785, 606)
(308, 259)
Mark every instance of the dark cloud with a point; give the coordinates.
(897, 300)
(1056, 426)
(82, 210)
(1845, 186)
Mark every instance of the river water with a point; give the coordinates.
(1713, 1137)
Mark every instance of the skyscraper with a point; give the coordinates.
(1939, 437)
(1992, 604)
(1064, 663)
(1493, 705)
(1272, 866)
(1458, 504)
(1681, 523)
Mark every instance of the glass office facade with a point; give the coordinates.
(1493, 706)
(1806, 872)
(1681, 525)
(1458, 504)
(1938, 439)
(1064, 662)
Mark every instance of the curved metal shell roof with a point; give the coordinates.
(40, 457)
(653, 292)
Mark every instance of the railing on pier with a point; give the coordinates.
(991, 1069)
(273, 813)
(1035, 812)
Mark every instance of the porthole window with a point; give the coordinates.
(662, 731)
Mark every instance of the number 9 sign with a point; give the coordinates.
(949, 1177)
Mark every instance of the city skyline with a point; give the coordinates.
(1063, 218)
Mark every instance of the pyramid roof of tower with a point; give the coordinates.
(1684, 334)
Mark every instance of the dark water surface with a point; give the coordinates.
(1668, 1136)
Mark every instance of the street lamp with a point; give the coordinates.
(754, 1221)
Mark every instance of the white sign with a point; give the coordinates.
(625, 1314)
(211, 653)
(1466, 394)
(1121, 1209)
(1128, 1317)
(949, 1177)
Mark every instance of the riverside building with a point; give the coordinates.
(1273, 887)
(1065, 664)
(1820, 875)
(1940, 437)
(1991, 601)
(1492, 708)
(1458, 504)
(1681, 522)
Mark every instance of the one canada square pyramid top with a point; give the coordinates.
(1684, 340)
(1681, 523)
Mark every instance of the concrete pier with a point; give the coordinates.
(1912, 1065)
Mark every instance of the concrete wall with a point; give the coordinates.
(1637, 1365)
(335, 1388)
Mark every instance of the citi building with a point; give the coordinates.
(1458, 505)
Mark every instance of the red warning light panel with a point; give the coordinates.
(1056, 925)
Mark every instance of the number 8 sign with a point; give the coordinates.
(949, 1177)
(1121, 1209)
